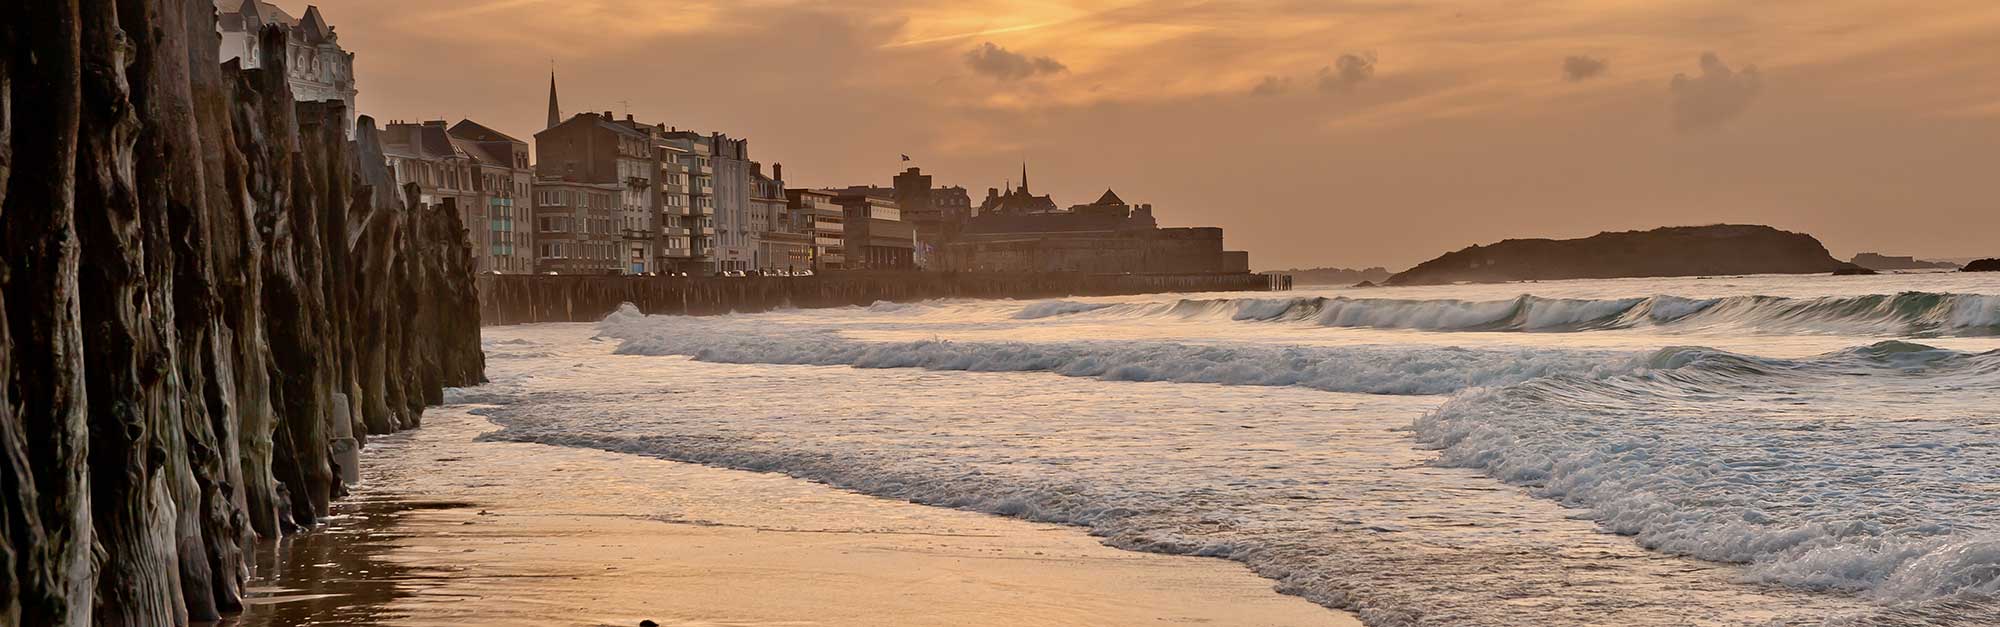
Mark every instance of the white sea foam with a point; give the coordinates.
(1871, 470)
(1052, 308)
(1857, 487)
(1374, 370)
(1908, 313)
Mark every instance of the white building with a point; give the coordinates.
(316, 65)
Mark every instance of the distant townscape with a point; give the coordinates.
(600, 194)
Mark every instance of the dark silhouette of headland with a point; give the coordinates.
(1669, 251)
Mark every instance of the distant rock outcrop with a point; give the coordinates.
(1983, 265)
(1878, 261)
(210, 295)
(1671, 251)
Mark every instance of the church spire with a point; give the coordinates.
(1024, 177)
(555, 112)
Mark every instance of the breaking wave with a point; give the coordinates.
(1363, 369)
(1870, 470)
(1921, 314)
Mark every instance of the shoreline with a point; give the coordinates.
(449, 530)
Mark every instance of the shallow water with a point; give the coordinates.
(1730, 451)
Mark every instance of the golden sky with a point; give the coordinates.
(1331, 132)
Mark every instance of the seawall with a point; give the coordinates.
(211, 297)
(521, 299)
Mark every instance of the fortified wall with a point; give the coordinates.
(521, 299)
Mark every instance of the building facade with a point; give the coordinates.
(734, 239)
(783, 237)
(1016, 200)
(875, 234)
(315, 64)
(481, 173)
(577, 227)
(825, 223)
(1108, 236)
(595, 148)
(687, 175)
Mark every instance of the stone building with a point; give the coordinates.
(784, 238)
(1108, 236)
(577, 227)
(693, 167)
(934, 212)
(734, 238)
(316, 66)
(825, 221)
(596, 148)
(874, 233)
(481, 173)
(1016, 200)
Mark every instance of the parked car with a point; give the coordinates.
(802, 273)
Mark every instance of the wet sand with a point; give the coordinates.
(447, 530)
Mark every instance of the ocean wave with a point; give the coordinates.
(1871, 470)
(1053, 308)
(1921, 314)
(1369, 370)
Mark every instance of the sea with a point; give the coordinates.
(1738, 450)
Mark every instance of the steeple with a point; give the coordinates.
(1024, 177)
(555, 113)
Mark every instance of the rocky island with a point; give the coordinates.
(1983, 265)
(1670, 251)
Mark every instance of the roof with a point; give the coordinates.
(479, 132)
(266, 13)
(1109, 198)
(313, 27)
(422, 141)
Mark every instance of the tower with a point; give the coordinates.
(555, 112)
(1024, 177)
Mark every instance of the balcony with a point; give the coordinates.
(638, 182)
(637, 234)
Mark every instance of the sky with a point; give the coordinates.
(1316, 132)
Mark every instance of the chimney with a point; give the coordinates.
(778, 172)
(607, 116)
(628, 117)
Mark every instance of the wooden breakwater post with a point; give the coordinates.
(523, 298)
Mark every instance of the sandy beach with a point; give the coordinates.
(448, 530)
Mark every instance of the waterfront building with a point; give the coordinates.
(783, 238)
(935, 213)
(1016, 200)
(680, 227)
(577, 227)
(480, 173)
(824, 221)
(1108, 236)
(875, 234)
(733, 235)
(317, 68)
(687, 175)
(596, 148)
